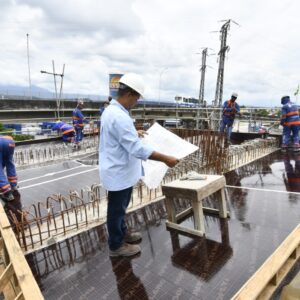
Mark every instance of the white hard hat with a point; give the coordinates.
(234, 95)
(134, 81)
(80, 102)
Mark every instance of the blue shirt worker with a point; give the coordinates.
(121, 152)
(230, 109)
(290, 121)
(8, 184)
(67, 131)
(78, 120)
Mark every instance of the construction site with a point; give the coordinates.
(222, 224)
(62, 238)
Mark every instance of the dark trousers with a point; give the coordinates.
(79, 135)
(116, 209)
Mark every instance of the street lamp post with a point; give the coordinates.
(159, 82)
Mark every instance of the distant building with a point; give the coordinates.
(185, 100)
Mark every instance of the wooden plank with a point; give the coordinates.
(20, 296)
(4, 223)
(222, 203)
(261, 278)
(1, 244)
(183, 214)
(8, 290)
(184, 229)
(19, 265)
(6, 276)
(170, 209)
(270, 288)
(198, 215)
(22, 270)
(192, 188)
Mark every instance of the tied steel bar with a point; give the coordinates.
(51, 221)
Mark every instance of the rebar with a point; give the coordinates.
(61, 216)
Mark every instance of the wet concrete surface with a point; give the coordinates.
(173, 266)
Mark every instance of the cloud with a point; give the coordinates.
(95, 37)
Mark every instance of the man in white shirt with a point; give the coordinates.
(120, 155)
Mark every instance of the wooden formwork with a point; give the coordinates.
(16, 279)
(268, 277)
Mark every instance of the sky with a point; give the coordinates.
(158, 39)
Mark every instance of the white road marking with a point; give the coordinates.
(261, 190)
(40, 183)
(50, 174)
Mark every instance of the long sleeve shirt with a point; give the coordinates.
(230, 109)
(78, 118)
(289, 114)
(63, 127)
(120, 149)
(7, 147)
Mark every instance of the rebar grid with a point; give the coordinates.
(62, 216)
(55, 152)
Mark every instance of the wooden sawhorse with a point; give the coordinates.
(196, 191)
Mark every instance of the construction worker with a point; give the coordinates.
(230, 109)
(290, 121)
(78, 120)
(105, 105)
(121, 152)
(67, 131)
(9, 195)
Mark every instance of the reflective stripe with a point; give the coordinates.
(5, 187)
(291, 123)
(294, 179)
(292, 113)
(229, 113)
(6, 137)
(69, 130)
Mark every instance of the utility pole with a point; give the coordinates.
(29, 77)
(216, 117)
(202, 78)
(220, 78)
(60, 104)
(55, 87)
(61, 86)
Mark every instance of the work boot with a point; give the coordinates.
(132, 237)
(284, 148)
(125, 250)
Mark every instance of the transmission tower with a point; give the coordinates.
(223, 49)
(202, 79)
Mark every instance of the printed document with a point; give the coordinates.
(168, 143)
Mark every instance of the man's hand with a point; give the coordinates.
(141, 133)
(171, 161)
